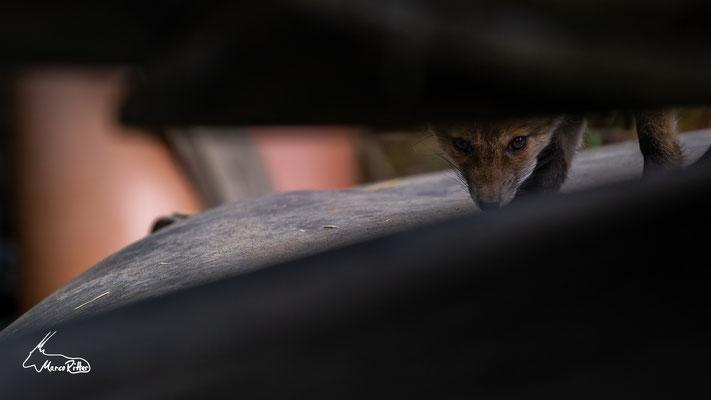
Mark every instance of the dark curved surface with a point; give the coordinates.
(244, 236)
(394, 62)
(595, 294)
(373, 61)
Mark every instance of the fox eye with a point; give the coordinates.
(518, 143)
(462, 145)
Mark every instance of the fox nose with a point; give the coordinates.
(489, 205)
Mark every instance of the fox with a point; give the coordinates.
(505, 160)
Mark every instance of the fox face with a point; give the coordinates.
(496, 158)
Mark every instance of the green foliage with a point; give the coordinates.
(592, 138)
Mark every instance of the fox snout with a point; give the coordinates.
(489, 203)
(490, 197)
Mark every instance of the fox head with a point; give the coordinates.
(495, 158)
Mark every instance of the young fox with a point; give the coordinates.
(501, 161)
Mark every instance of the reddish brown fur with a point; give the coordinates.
(657, 139)
(495, 174)
(492, 170)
